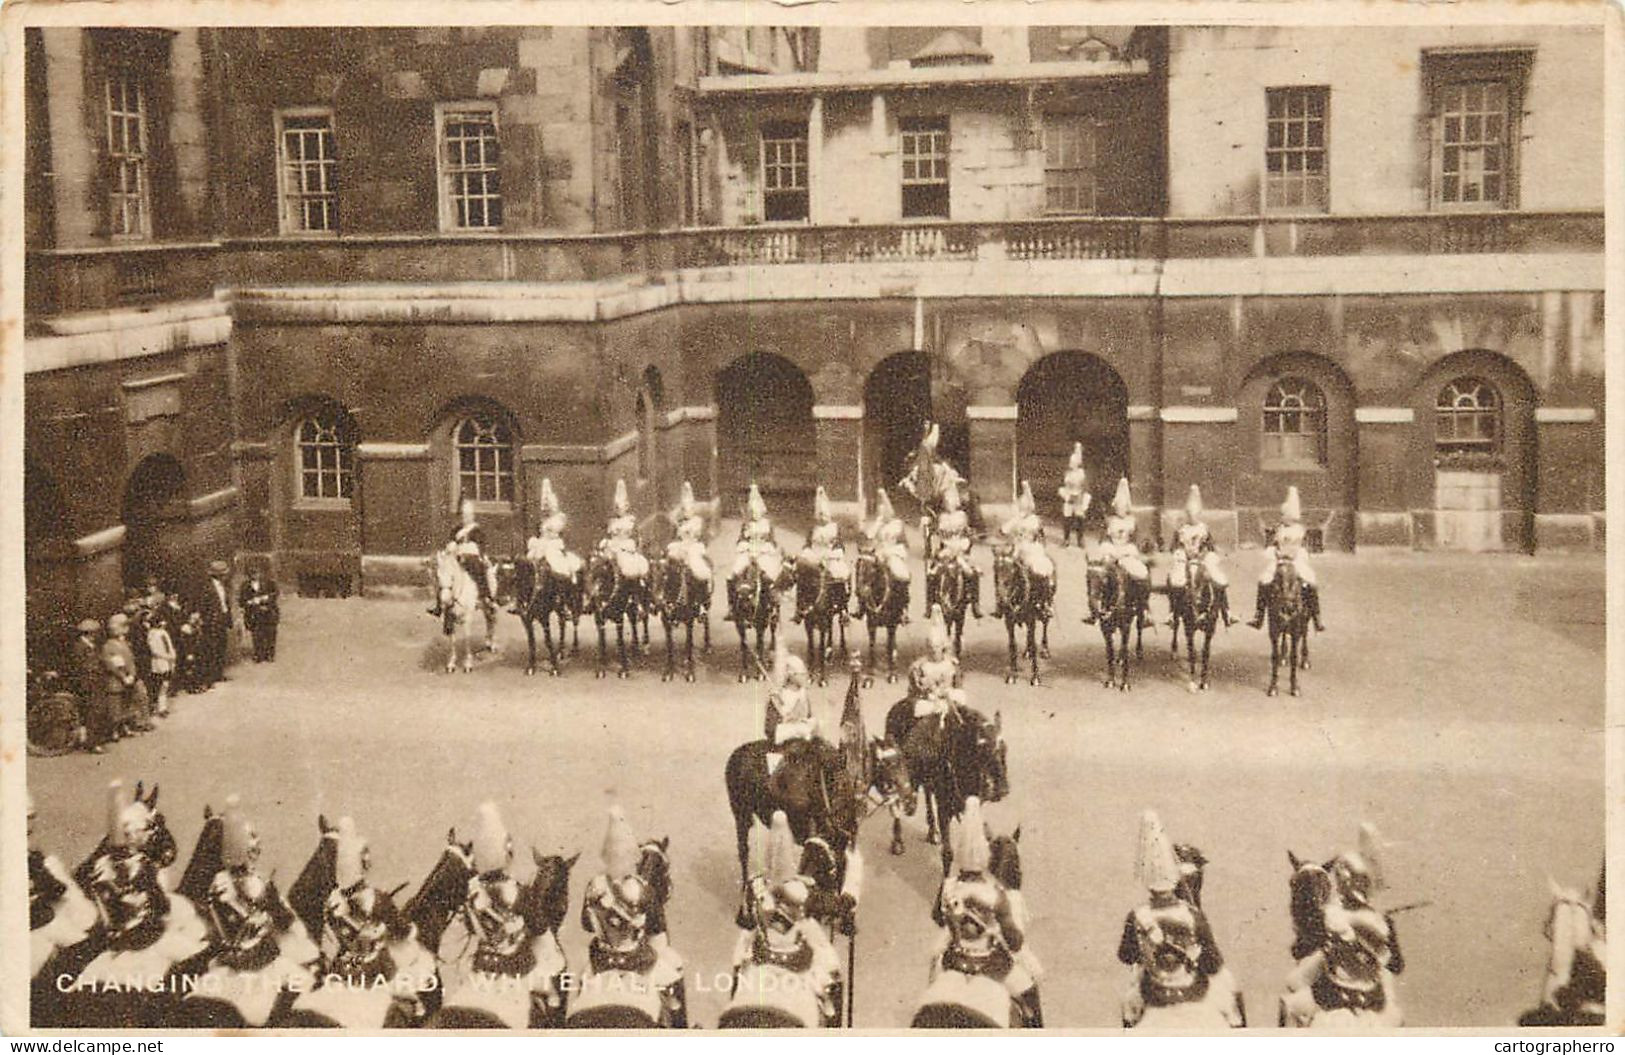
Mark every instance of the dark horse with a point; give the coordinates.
(542, 595)
(949, 588)
(1027, 600)
(1310, 889)
(615, 598)
(882, 602)
(756, 605)
(950, 758)
(543, 904)
(1196, 608)
(1288, 626)
(821, 601)
(682, 600)
(1120, 602)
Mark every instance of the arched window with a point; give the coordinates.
(484, 459)
(1468, 417)
(326, 458)
(1294, 424)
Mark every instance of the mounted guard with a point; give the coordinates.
(755, 547)
(1075, 498)
(789, 725)
(259, 950)
(985, 934)
(1024, 532)
(547, 545)
(1348, 960)
(467, 544)
(823, 550)
(1194, 542)
(492, 958)
(631, 963)
(1177, 977)
(620, 541)
(951, 544)
(689, 545)
(929, 477)
(786, 972)
(886, 536)
(933, 679)
(1119, 548)
(1287, 544)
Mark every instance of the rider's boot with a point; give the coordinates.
(1311, 597)
(1066, 532)
(1174, 595)
(733, 602)
(1257, 621)
(1032, 1012)
(435, 608)
(975, 582)
(1094, 610)
(1221, 597)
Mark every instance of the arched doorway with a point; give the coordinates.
(896, 404)
(1476, 410)
(765, 431)
(1066, 398)
(154, 519)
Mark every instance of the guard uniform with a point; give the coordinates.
(885, 533)
(1075, 497)
(1025, 534)
(1193, 541)
(689, 545)
(1287, 544)
(620, 540)
(1119, 548)
(619, 911)
(755, 546)
(953, 543)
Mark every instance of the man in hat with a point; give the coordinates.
(547, 545)
(258, 947)
(87, 677)
(1025, 534)
(755, 546)
(984, 934)
(889, 542)
(1167, 940)
(59, 914)
(1288, 545)
(953, 543)
(823, 549)
(1353, 968)
(1119, 548)
(258, 601)
(619, 910)
(1195, 542)
(620, 541)
(126, 693)
(784, 931)
(467, 544)
(689, 544)
(216, 609)
(1075, 497)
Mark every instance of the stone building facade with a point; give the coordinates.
(292, 293)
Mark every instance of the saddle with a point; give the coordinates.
(1330, 996)
(795, 781)
(640, 959)
(796, 960)
(1156, 995)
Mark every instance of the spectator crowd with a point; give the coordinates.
(129, 670)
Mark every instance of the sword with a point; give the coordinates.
(852, 969)
(1411, 906)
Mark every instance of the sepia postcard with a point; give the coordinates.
(1066, 516)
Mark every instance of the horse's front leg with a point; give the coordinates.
(744, 650)
(621, 627)
(603, 647)
(1292, 678)
(1275, 662)
(891, 653)
(1123, 684)
(1032, 650)
(932, 821)
(671, 654)
(896, 835)
(553, 648)
(1010, 635)
(688, 654)
(1304, 650)
(1043, 648)
(1207, 651)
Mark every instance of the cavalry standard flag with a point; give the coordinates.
(854, 738)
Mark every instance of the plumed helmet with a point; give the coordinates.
(467, 509)
(753, 502)
(883, 509)
(120, 799)
(1156, 866)
(620, 853)
(821, 511)
(937, 637)
(1075, 460)
(788, 669)
(1193, 504)
(783, 858)
(349, 855)
(1358, 873)
(685, 500)
(549, 501)
(1025, 503)
(239, 841)
(970, 847)
(1292, 508)
(623, 505)
(1122, 501)
(493, 849)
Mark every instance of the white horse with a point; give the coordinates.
(459, 599)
